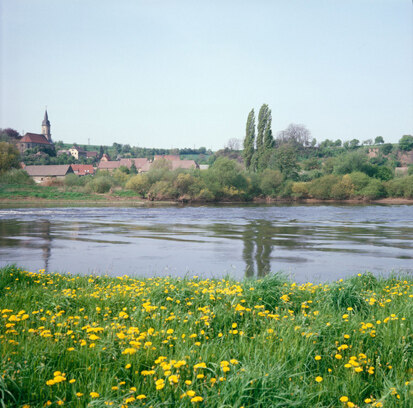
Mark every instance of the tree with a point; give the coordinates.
(297, 135)
(406, 143)
(101, 152)
(285, 160)
(9, 157)
(271, 181)
(9, 134)
(386, 148)
(233, 144)
(249, 140)
(133, 169)
(354, 143)
(265, 140)
(379, 140)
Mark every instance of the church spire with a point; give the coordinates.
(46, 127)
(46, 119)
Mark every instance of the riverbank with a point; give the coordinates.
(107, 199)
(71, 340)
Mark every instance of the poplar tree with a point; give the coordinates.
(249, 140)
(265, 139)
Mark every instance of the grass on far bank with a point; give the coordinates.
(168, 342)
(29, 192)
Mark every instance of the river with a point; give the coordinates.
(306, 242)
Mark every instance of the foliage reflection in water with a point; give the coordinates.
(310, 243)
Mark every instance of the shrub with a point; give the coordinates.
(9, 157)
(384, 173)
(374, 190)
(99, 185)
(321, 188)
(183, 183)
(343, 189)
(139, 183)
(386, 148)
(205, 195)
(271, 181)
(359, 180)
(15, 176)
(120, 177)
(72, 180)
(300, 189)
(162, 190)
(400, 187)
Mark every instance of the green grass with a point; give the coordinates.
(259, 343)
(16, 192)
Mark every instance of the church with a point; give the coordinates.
(33, 140)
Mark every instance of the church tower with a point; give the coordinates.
(46, 127)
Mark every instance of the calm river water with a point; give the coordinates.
(308, 243)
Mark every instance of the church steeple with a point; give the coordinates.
(46, 121)
(46, 127)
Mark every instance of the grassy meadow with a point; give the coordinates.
(81, 341)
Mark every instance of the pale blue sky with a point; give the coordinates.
(184, 73)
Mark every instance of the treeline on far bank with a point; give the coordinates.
(227, 180)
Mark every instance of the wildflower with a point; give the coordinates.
(338, 356)
(317, 358)
(197, 399)
(343, 398)
(79, 394)
(319, 379)
(94, 394)
(141, 396)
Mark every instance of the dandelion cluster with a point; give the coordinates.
(77, 341)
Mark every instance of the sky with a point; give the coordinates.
(175, 73)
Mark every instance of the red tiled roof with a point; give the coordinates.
(108, 165)
(83, 169)
(92, 154)
(140, 164)
(34, 138)
(184, 164)
(171, 157)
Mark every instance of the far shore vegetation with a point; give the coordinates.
(97, 341)
(291, 166)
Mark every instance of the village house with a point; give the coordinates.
(44, 173)
(142, 164)
(77, 152)
(83, 169)
(171, 157)
(105, 157)
(176, 161)
(108, 165)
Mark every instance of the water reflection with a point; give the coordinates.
(28, 236)
(305, 242)
(257, 239)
